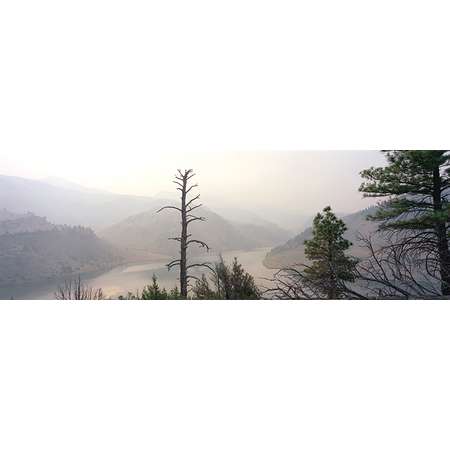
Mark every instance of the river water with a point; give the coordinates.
(130, 278)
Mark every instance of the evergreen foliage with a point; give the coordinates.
(155, 292)
(228, 282)
(416, 184)
(330, 267)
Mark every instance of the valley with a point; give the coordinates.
(51, 231)
(132, 277)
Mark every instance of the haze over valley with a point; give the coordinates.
(53, 228)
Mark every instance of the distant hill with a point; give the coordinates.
(33, 249)
(11, 223)
(8, 215)
(66, 203)
(240, 215)
(263, 234)
(292, 252)
(65, 184)
(146, 235)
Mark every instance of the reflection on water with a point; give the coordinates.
(131, 278)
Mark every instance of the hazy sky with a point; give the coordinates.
(105, 94)
(255, 180)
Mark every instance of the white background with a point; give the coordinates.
(224, 375)
(87, 78)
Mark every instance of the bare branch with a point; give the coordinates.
(168, 207)
(77, 290)
(192, 200)
(194, 218)
(201, 243)
(191, 208)
(193, 277)
(207, 265)
(192, 187)
(174, 263)
(182, 181)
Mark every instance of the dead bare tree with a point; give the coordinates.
(404, 268)
(393, 268)
(182, 180)
(77, 290)
(292, 283)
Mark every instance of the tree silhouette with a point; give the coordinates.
(330, 267)
(229, 282)
(182, 180)
(416, 212)
(77, 290)
(330, 270)
(393, 270)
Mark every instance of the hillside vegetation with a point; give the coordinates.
(33, 249)
(292, 252)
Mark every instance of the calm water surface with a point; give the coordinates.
(122, 279)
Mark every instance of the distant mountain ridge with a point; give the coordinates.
(130, 222)
(69, 206)
(147, 234)
(65, 184)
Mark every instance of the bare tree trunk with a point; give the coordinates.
(77, 290)
(183, 241)
(332, 290)
(441, 234)
(186, 211)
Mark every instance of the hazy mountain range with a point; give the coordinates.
(54, 228)
(68, 205)
(35, 245)
(146, 234)
(64, 202)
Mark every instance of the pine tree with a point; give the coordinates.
(330, 267)
(416, 183)
(230, 283)
(154, 292)
(203, 291)
(242, 283)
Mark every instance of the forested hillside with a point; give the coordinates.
(20, 223)
(32, 249)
